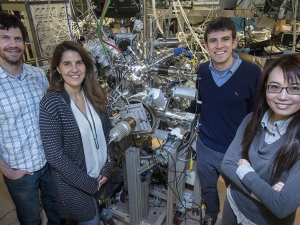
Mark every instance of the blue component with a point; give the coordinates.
(178, 51)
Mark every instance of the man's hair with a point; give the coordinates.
(8, 21)
(220, 24)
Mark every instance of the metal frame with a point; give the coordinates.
(138, 190)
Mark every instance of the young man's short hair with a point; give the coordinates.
(220, 24)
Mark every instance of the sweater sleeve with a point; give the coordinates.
(52, 138)
(232, 156)
(280, 203)
(110, 162)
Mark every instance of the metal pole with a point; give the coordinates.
(134, 185)
(295, 26)
(145, 15)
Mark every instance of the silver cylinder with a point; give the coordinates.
(145, 50)
(169, 42)
(184, 92)
(121, 130)
(182, 116)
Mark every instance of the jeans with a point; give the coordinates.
(96, 219)
(209, 170)
(25, 195)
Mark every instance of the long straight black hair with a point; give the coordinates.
(288, 154)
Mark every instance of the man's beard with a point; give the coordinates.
(9, 59)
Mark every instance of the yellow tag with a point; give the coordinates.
(193, 61)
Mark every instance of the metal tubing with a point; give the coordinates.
(294, 26)
(145, 50)
(151, 38)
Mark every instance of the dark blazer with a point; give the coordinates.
(63, 147)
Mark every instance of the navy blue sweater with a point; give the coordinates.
(224, 108)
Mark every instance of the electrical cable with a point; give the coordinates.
(155, 16)
(106, 5)
(112, 45)
(190, 28)
(67, 16)
(176, 194)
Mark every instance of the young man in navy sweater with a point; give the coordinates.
(227, 89)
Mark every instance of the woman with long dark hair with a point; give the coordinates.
(263, 162)
(75, 133)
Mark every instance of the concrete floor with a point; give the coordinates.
(8, 212)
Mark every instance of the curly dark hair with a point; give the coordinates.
(8, 21)
(220, 24)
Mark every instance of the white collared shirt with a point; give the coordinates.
(273, 133)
